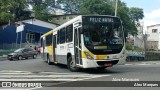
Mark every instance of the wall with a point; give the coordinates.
(153, 39)
(8, 35)
(152, 45)
(62, 18)
(138, 42)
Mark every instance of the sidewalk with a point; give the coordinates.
(144, 62)
(2, 58)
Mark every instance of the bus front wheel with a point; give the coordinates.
(71, 65)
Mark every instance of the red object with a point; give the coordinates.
(38, 49)
(108, 64)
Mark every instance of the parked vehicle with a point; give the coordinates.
(132, 55)
(22, 53)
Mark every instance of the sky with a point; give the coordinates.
(151, 10)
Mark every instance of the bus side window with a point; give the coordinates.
(49, 40)
(58, 37)
(69, 33)
(62, 35)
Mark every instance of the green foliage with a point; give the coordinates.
(138, 49)
(70, 6)
(96, 7)
(128, 15)
(40, 11)
(41, 8)
(16, 10)
(129, 46)
(13, 10)
(6, 52)
(134, 48)
(4, 16)
(136, 13)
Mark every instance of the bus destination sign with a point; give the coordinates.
(99, 19)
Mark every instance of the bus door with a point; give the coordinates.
(54, 47)
(77, 45)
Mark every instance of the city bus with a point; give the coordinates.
(85, 42)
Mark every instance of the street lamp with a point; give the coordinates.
(116, 8)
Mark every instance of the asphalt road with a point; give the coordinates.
(38, 70)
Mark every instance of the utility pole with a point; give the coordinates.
(116, 8)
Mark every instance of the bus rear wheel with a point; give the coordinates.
(71, 65)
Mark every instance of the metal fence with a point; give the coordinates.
(15, 46)
(135, 55)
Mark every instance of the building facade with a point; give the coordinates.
(33, 29)
(138, 39)
(60, 19)
(153, 37)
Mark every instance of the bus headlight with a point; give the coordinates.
(88, 55)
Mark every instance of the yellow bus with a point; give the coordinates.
(86, 42)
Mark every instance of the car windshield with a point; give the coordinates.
(18, 50)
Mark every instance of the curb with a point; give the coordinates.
(2, 58)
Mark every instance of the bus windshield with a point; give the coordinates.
(103, 38)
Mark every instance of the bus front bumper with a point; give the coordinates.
(99, 63)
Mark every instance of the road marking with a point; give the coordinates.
(53, 76)
(17, 73)
(9, 75)
(53, 73)
(3, 71)
(144, 64)
(50, 79)
(138, 64)
(35, 88)
(128, 64)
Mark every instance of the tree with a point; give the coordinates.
(96, 7)
(42, 8)
(128, 15)
(13, 10)
(136, 14)
(70, 6)
(122, 12)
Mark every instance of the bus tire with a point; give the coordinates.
(71, 65)
(20, 57)
(48, 60)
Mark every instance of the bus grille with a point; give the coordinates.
(101, 63)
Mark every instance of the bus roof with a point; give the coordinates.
(77, 18)
(71, 21)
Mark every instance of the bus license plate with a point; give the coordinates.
(108, 64)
